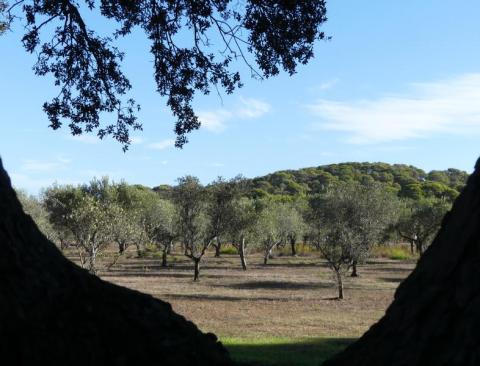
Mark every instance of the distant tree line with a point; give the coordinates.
(343, 221)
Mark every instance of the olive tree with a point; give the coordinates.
(331, 233)
(242, 227)
(194, 227)
(165, 231)
(222, 195)
(277, 221)
(420, 221)
(373, 210)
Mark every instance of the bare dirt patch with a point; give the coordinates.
(290, 297)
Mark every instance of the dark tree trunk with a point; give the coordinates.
(435, 315)
(419, 246)
(218, 248)
(196, 274)
(164, 257)
(241, 251)
(267, 256)
(121, 248)
(412, 246)
(293, 245)
(339, 284)
(354, 269)
(53, 312)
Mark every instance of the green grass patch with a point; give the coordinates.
(228, 250)
(281, 351)
(397, 252)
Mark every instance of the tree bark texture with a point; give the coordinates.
(55, 313)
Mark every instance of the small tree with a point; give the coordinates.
(195, 230)
(420, 221)
(331, 231)
(222, 195)
(242, 227)
(273, 227)
(166, 231)
(373, 210)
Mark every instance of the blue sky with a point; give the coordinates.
(399, 82)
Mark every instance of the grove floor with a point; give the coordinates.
(291, 297)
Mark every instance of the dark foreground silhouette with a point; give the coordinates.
(435, 316)
(53, 312)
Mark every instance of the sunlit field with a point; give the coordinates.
(284, 313)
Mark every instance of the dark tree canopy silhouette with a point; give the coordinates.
(194, 44)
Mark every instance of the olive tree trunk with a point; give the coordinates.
(241, 251)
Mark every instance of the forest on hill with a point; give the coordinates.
(406, 181)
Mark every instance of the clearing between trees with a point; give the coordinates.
(283, 313)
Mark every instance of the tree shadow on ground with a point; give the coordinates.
(208, 297)
(392, 279)
(283, 352)
(276, 285)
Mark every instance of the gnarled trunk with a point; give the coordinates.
(55, 313)
(196, 274)
(241, 251)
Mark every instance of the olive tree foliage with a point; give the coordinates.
(267, 36)
(420, 221)
(195, 230)
(242, 230)
(87, 219)
(165, 231)
(331, 233)
(33, 207)
(373, 211)
(277, 223)
(222, 196)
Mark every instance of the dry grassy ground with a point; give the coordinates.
(290, 297)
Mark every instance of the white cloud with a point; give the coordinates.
(448, 106)
(252, 108)
(329, 84)
(137, 140)
(161, 145)
(248, 108)
(214, 120)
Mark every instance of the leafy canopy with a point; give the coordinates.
(193, 44)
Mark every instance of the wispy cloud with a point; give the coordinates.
(252, 108)
(214, 120)
(448, 106)
(161, 145)
(326, 85)
(247, 108)
(137, 140)
(37, 166)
